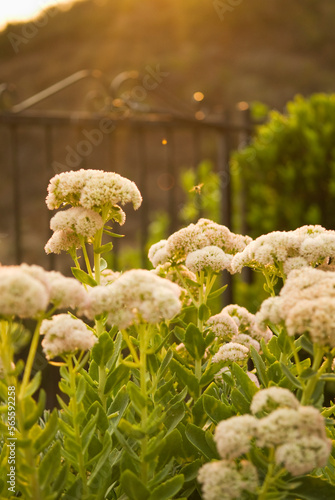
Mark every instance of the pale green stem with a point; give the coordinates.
(74, 407)
(185, 285)
(31, 357)
(295, 354)
(131, 347)
(143, 379)
(87, 260)
(310, 386)
(97, 244)
(270, 477)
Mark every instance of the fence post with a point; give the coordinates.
(245, 138)
(224, 150)
(16, 181)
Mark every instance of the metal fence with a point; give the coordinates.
(148, 146)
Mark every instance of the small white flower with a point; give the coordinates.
(302, 456)
(21, 294)
(233, 436)
(225, 480)
(81, 221)
(134, 295)
(270, 399)
(223, 326)
(157, 253)
(62, 241)
(208, 258)
(231, 352)
(64, 334)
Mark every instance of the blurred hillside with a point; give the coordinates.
(257, 50)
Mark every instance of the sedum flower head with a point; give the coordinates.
(307, 245)
(91, 189)
(202, 234)
(302, 456)
(268, 400)
(306, 304)
(246, 322)
(225, 480)
(223, 326)
(247, 341)
(287, 424)
(231, 352)
(62, 241)
(81, 221)
(157, 253)
(135, 295)
(64, 334)
(233, 436)
(20, 293)
(208, 258)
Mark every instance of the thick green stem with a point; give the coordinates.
(86, 257)
(310, 386)
(97, 244)
(144, 416)
(31, 357)
(273, 474)
(74, 408)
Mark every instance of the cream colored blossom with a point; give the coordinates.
(307, 245)
(62, 241)
(268, 400)
(64, 334)
(223, 326)
(247, 323)
(157, 253)
(231, 351)
(134, 295)
(287, 424)
(209, 258)
(306, 304)
(81, 221)
(202, 234)
(226, 480)
(108, 276)
(91, 189)
(302, 456)
(247, 341)
(21, 294)
(65, 292)
(233, 436)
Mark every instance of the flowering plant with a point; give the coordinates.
(160, 396)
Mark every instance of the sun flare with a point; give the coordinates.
(22, 10)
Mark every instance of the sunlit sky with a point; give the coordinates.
(20, 10)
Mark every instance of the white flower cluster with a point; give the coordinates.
(307, 245)
(26, 291)
(89, 192)
(208, 258)
(136, 295)
(62, 241)
(205, 233)
(236, 326)
(297, 433)
(306, 304)
(92, 189)
(225, 480)
(81, 221)
(232, 351)
(64, 334)
(21, 294)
